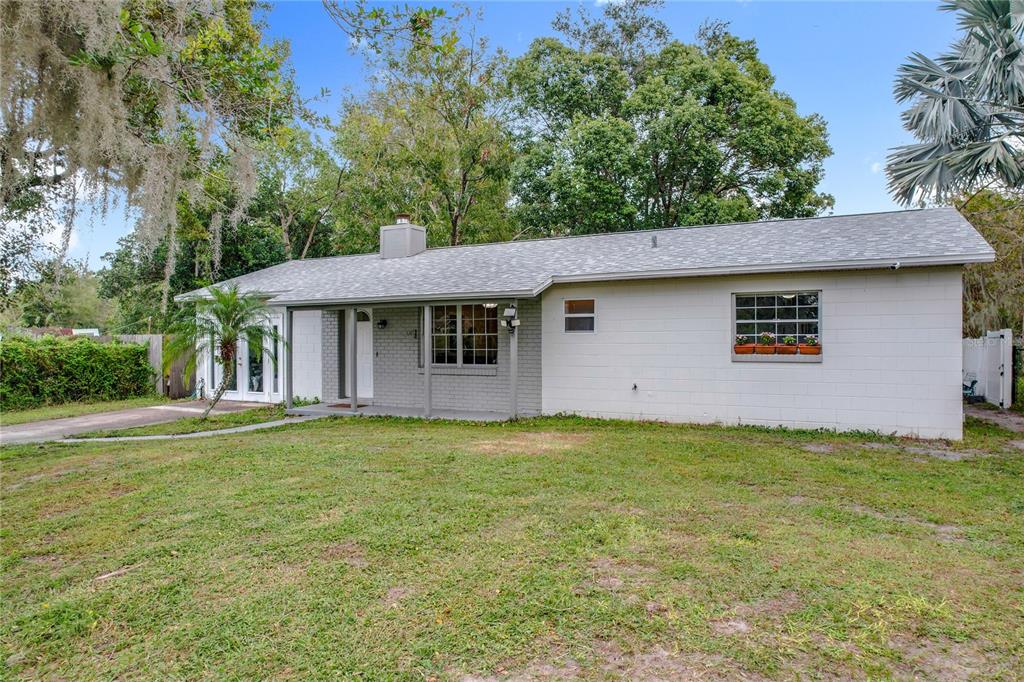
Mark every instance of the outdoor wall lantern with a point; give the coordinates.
(381, 324)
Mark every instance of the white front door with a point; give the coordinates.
(364, 355)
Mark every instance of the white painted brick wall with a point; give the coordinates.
(330, 340)
(398, 380)
(891, 354)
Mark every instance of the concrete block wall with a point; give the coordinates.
(398, 379)
(891, 353)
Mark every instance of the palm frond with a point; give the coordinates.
(966, 107)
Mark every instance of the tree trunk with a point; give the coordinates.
(220, 390)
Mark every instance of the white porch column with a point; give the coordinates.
(427, 359)
(351, 357)
(288, 337)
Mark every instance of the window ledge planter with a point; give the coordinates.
(743, 349)
(807, 349)
(785, 349)
(764, 350)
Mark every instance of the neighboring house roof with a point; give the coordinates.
(525, 268)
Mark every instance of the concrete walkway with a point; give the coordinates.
(199, 434)
(1012, 421)
(57, 429)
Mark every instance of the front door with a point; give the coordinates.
(364, 354)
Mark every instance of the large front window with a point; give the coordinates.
(464, 334)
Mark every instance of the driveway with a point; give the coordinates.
(56, 429)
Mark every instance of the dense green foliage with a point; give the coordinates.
(52, 371)
(133, 99)
(994, 292)
(621, 139)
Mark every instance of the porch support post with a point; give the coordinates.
(351, 358)
(427, 359)
(513, 366)
(289, 324)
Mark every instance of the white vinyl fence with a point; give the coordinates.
(990, 361)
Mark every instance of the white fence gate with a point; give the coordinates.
(990, 361)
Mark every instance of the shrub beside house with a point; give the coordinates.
(56, 370)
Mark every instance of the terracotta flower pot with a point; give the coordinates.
(764, 350)
(807, 349)
(743, 348)
(784, 349)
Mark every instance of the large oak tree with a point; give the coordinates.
(626, 130)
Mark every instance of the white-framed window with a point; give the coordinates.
(792, 317)
(580, 315)
(464, 334)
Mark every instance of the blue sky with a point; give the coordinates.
(836, 59)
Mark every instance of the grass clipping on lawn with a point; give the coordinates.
(545, 549)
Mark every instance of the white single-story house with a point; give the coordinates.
(865, 311)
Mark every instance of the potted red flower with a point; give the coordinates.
(810, 346)
(743, 345)
(787, 347)
(765, 344)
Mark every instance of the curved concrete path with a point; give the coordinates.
(198, 434)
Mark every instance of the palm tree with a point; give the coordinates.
(966, 108)
(219, 322)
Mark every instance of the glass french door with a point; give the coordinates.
(258, 371)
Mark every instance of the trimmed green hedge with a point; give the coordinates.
(52, 371)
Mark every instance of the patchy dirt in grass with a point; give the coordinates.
(820, 448)
(938, 450)
(944, 532)
(773, 608)
(731, 626)
(738, 621)
(661, 664)
(614, 575)
(349, 552)
(394, 595)
(610, 661)
(531, 443)
(563, 670)
(1019, 444)
(119, 490)
(943, 661)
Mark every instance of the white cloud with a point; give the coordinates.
(876, 167)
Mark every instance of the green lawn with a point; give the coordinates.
(194, 424)
(12, 417)
(549, 549)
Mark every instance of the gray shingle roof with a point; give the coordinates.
(525, 268)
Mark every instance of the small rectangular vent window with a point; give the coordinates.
(579, 315)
